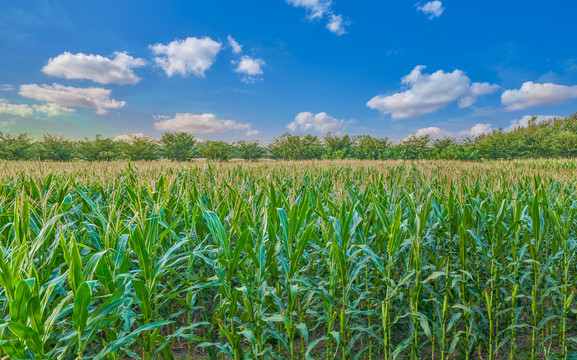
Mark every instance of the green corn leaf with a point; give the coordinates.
(82, 301)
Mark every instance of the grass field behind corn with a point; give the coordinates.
(289, 260)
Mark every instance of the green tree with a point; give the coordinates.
(216, 150)
(564, 144)
(178, 146)
(338, 147)
(296, 147)
(15, 147)
(98, 149)
(415, 147)
(538, 139)
(439, 145)
(140, 148)
(55, 148)
(464, 150)
(249, 150)
(368, 147)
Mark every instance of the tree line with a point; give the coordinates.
(547, 139)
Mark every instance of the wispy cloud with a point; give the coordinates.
(234, 45)
(322, 9)
(25, 110)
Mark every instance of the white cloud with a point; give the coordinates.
(129, 138)
(249, 67)
(25, 110)
(479, 129)
(435, 132)
(235, 46)
(7, 123)
(6, 87)
(428, 93)
(321, 122)
(21, 110)
(185, 57)
(336, 25)
(321, 9)
(252, 132)
(524, 121)
(100, 69)
(200, 124)
(439, 133)
(531, 94)
(93, 97)
(315, 8)
(433, 9)
(53, 110)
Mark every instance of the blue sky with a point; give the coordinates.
(255, 69)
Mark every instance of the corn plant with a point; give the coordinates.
(301, 260)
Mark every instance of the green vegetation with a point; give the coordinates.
(98, 149)
(249, 150)
(216, 150)
(139, 148)
(178, 146)
(555, 138)
(55, 148)
(296, 147)
(289, 260)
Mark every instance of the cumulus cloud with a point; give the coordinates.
(200, 124)
(235, 46)
(439, 133)
(428, 93)
(321, 122)
(480, 129)
(433, 9)
(533, 94)
(524, 121)
(321, 9)
(249, 68)
(336, 25)
(129, 138)
(190, 56)
(93, 97)
(25, 110)
(100, 69)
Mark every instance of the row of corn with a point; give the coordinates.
(437, 260)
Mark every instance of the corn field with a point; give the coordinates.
(289, 260)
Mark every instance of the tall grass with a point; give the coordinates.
(299, 260)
